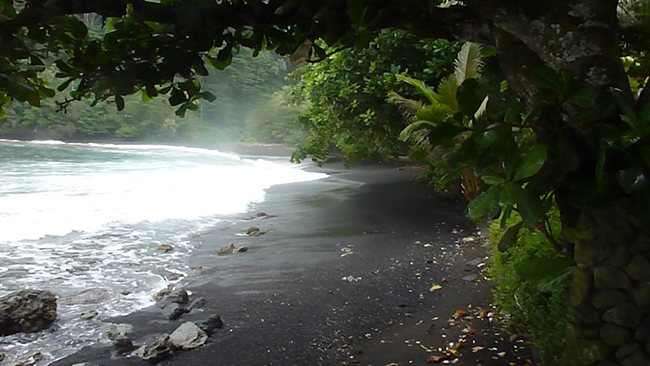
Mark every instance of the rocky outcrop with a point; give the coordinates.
(174, 311)
(114, 332)
(159, 350)
(210, 325)
(188, 336)
(230, 249)
(255, 231)
(27, 311)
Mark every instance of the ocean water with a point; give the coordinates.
(85, 221)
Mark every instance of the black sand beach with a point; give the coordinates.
(286, 302)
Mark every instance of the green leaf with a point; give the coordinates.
(207, 96)
(119, 102)
(531, 163)
(145, 97)
(180, 112)
(468, 97)
(537, 269)
(199, 67)
(511, 194)
(585, 97)
(33, 98)
(177, 97)
(77, 28)
(510, 237)
(530, 209)
(492, 179)
(547, 78)
(482, 205)
(356, 10)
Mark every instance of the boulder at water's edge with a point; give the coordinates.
(27, 311)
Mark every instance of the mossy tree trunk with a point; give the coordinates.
(610, 293)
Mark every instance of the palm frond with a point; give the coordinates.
(422, 88)
(468, 64)
(409, 106)
(436, 113)
(447, 92)
(417, 133)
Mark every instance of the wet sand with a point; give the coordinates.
(285, 302)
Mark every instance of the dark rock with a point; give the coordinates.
(639, 268)
(123, 344)
(585, 352)
(607, 363)
(210, 325)
(584, 314)
(165, 248)
(258, 233)
(27, 311)
(614, 335)
(174, 311)
(580, 287)
(197, 303)
(635, 359)
(114, 332)
(251, 230)
(470, 278)
(188, 336)
(605, 299)
(159, 350)
(179, 296)
(89, 314)
(626, 350)
(163, 294)
(86, 297)
(626, 315)
(608, 278)
(230, 248)
(642, 295)
(583, 332)
(589, 254)
(642, 333)
(2, 357)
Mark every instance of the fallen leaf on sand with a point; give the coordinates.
(434, 359)
(477, 349)
(459, 314)
(435, 288)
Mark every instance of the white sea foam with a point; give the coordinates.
(75, 217)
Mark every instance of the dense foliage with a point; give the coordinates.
(346, 94)
(243, 87)
(536, 308)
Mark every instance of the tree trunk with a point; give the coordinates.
(610, 293)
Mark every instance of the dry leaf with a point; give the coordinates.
(459, 314)
(434, 359)
(435, 288)
(477, 349)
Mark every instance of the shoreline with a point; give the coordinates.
(289, 300)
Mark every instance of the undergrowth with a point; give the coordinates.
(537, 310)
